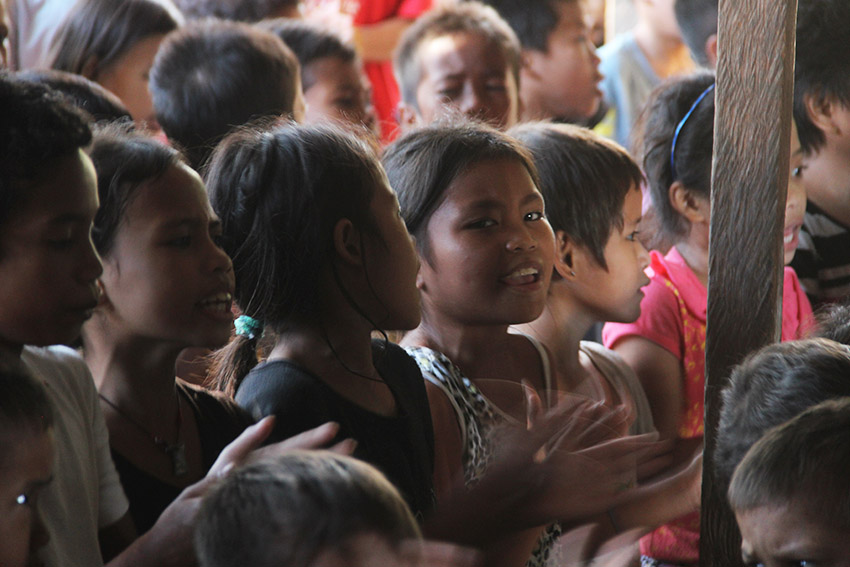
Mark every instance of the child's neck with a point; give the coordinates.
(668, 56)
(561, 327)
(695, 255)
(474, 349)
(136, 375)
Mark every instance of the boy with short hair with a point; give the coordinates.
(335, 87)
(211, 76)
(770, 387)
(26, 462)
(559, 75)
(461, 57)
(821, 111)
(791, 493)
(697, 21)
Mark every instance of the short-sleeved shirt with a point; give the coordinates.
(673, 315)
(400, 446)
(85, 494)
(219, 420)
(822, 260)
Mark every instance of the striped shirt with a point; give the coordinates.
(822, 261)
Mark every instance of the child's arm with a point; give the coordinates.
(448, 441)
(660, 374)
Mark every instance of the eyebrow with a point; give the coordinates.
(191, 222)
(494, 204)
(69, 218)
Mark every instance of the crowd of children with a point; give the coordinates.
(398, 370)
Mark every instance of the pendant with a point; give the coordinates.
(177, 452)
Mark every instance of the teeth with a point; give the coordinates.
(524, 272)
(789, 237)
(219, 302)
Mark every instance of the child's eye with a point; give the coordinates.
(180, 242)
(535, 216)
(449, 93)
(633, 235)
(496, 87)
(483, 223)
(798, 171)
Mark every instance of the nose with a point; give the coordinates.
(90, 266)
(473, 103)
(217, 259)
(521, 239)
(643, 255)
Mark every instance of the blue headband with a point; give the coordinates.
(681, 125)
(248, 327)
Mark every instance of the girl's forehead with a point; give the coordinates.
(177, 192)
(492, 179)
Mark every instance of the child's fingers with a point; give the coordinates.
(345, 447)
(236, 452)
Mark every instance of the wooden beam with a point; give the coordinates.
(749, 182)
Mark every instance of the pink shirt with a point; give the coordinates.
(673, 314)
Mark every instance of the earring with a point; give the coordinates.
(572, 273)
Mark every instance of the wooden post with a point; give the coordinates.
(749, 182)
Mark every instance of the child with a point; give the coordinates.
(821, 92)
(114, 44)
(697, 21)
(559, 75)
(335, 87)
(26, 462)
(665, 346)
(770, 387)
(592, 192)
(462, 57)
(469, 197)
(308, 509)
(48, 273)
(634, 63)
(166, 286)
(790, 493)
(212, 76)
(322, 258)
(4, 36)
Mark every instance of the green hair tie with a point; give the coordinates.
(248, 327)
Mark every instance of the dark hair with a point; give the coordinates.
(38, 127)
(83, 93)
(584, 179)
(24, 406)
(833, 322)
(124, 161)
(533, 21)
(770, 387)
(666, 108)
(423, 163)
(212, 76)
(98, 33)
(309, 42)
(279, 192)
(697, 21)
(822, 70)
(471, 18)
(236, 10)
(805, 459)
(289, 510)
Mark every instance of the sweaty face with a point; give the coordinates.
(48, 265)
(791, 534)
(567, 70)
(490, 249)
(615, 294)
(27, 468)
(795, 201)
(165, 277)
(469, 74)
(339, 92)
(127, 78)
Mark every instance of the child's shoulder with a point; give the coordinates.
(61, 368)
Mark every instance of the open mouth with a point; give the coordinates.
(219, 303)
(522, 276)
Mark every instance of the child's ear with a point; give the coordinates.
(564, 255)
(710, 49)
(528, 64)
(408, 118)
(687, 203)
(347, 243)
(821, 111)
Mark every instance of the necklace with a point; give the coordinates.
(176, 451)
